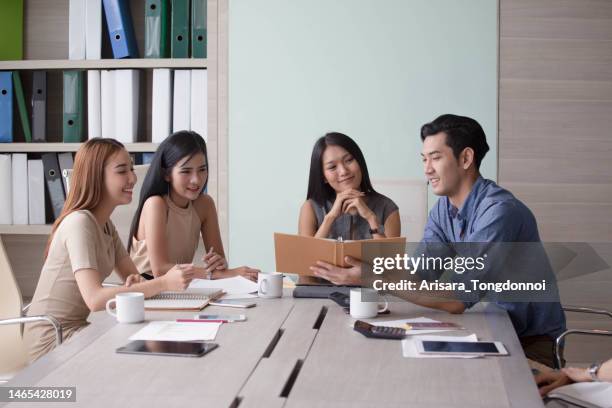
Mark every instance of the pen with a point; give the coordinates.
(204, 321)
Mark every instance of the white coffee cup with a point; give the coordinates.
(363, 305)
(129, 307)
(270, 284)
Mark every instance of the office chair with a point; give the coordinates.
(13, 354)
(559, 362)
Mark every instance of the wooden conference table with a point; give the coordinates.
(289, 353)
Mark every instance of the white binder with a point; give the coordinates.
(107, 106)
(93, 36)
(182, 100)
(36, 192)
(6, 190)
(199, 98)
(94, 109)
(162, 105)
(76, 29)
(126, 105)
(20, 188)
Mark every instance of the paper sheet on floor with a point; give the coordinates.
(231, 286)
(409, 348)
(177, 331)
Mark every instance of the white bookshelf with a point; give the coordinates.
(45, 48)
(136, 63)
(25, 229)
(66, 147)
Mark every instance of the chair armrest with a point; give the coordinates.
(30, 319)
(559, 341)
(580, 309)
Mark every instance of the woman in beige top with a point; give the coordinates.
(84, 248)
(173, 212)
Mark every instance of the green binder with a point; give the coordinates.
(73, 106)
(180, 28)
(157, 13)
(199, 39)
(23, 111)
(11, 30)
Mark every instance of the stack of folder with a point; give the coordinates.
(173, 28)
(26, 183)
(179, 103)
(10, 86)
(187, 35)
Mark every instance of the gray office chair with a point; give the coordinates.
(559, 341)
(13, 355)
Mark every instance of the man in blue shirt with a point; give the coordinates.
(472, 209)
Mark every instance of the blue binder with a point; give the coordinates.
(6, 107)
(120, 28)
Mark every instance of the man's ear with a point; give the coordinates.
(467, 158)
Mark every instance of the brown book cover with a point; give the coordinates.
(296, 253)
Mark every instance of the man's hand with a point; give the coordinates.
(338, 275)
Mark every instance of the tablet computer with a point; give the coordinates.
(167, 348)
(480, 348)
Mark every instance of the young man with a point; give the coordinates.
(476, 210)
(471, 210)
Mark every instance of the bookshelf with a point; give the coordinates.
(66, 147)
(25, 230)
(136, 63)
(45, 42)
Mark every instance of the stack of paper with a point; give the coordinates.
(177, 331)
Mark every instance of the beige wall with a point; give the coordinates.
(555, 134)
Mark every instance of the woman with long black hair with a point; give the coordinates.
(173, 212)
(341, 202)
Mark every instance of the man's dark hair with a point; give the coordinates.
(461, 132)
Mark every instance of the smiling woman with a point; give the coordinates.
(341, 202)
(174, 210)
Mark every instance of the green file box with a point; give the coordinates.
(180, 29)
(157, 13)
(199, 39)
(73, 106)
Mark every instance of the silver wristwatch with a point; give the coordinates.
(593, 369)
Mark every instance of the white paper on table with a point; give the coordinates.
(238, 296)
(231, 286)
(409, 348)
(177, 331)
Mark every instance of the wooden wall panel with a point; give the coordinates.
(555, 112)
(555, 137)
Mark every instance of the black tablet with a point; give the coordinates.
(167, 348)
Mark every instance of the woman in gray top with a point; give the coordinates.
(341, 202)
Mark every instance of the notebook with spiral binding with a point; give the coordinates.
(193, 299)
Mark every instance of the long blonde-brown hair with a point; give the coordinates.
(87, 178)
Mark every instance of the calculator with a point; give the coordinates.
(379, 332)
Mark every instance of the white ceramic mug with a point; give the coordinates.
(363, 305)
(270, 284)
(129, 307)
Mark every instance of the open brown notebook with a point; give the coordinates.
(296, 253)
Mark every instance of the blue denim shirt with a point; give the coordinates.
(492, 214)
